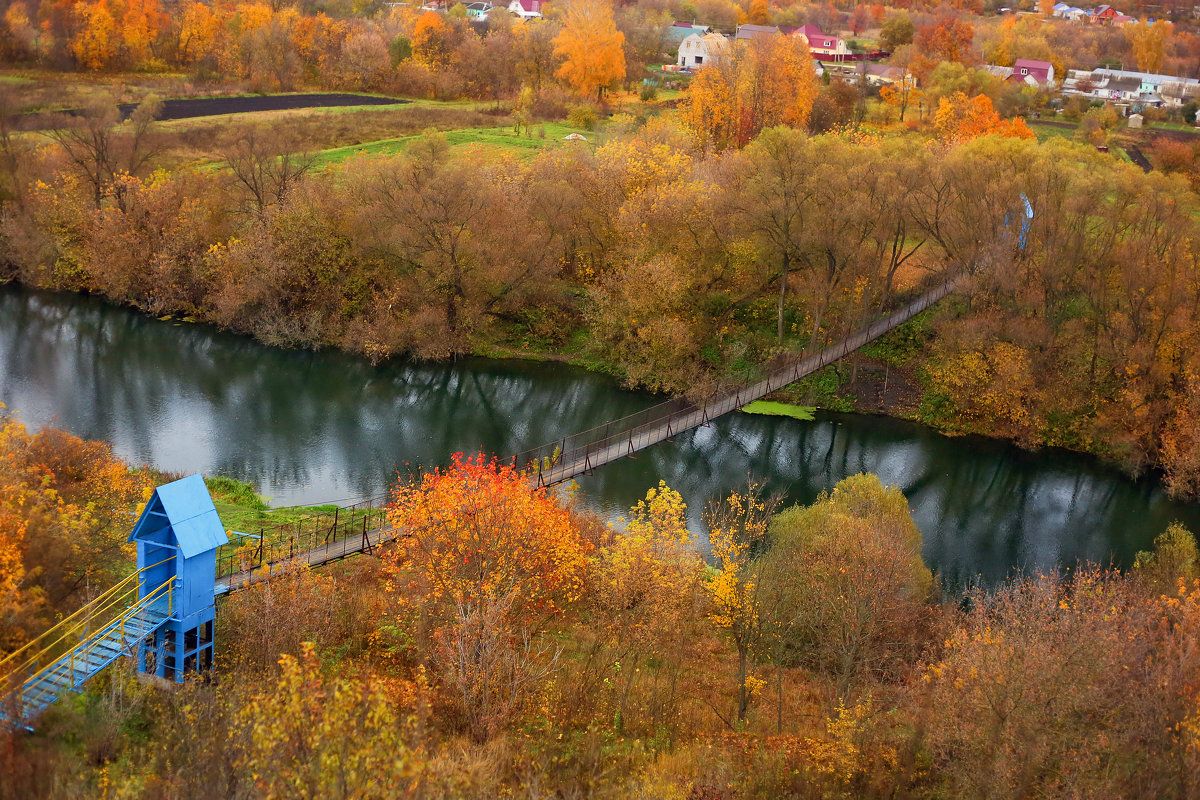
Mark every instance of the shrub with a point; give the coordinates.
(582, 116)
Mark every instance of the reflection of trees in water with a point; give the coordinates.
(985, 508)
(283, 419)
(324, 425)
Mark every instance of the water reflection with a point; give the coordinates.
(311, 427)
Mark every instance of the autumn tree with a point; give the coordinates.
(769, 81)
(737, 526)
(65, 506)
(945, 38)
(646, 600)
(850, 590)
(95, 45)
(1149, 41)
(485, 565)
(100, 147)
(432, 40)
(759, 13)
(591, 48)
(1173, 559)
(1051, 682)
(897, 30)
(464, 237)
(313, 735)
(959, 118)
(265, 166)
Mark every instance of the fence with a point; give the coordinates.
(315, 538)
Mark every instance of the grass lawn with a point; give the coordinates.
(1044, 131)
(773, 409)
(502, 138)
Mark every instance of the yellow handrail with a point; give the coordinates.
(94, 610)
(156, 593)
(90, 608)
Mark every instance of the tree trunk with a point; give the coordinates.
(783, 282)
(743, 695)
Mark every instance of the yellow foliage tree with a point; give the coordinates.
(1149, 42)
(199, 29)
(760, 12)
(430, 40)
(312, 736)
(592, 49)
(735, 527)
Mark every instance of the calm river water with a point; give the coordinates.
(315, 427)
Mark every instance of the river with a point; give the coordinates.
(313, 427)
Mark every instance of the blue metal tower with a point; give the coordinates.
(177, 538)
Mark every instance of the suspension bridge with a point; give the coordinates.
(163, 614)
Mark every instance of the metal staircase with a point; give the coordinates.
(63, 658)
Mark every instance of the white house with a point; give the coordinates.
(1147, 88)
(699, 49)
(1071, 13)
(526, 9)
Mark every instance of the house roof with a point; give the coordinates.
(755, 31)
(1033, 63)
(1123, 85)
(811, 30)
(186, 507)
(530, 6)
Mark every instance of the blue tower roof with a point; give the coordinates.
(185, 509)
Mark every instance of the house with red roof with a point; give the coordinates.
(824, 46)
(1030, 70)
(1107, 15)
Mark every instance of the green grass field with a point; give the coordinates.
(501, 138)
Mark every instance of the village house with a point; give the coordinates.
(746, 33)
(1107, 15)
(681, 30)
(1127, 86)
(526, 9)
(1031, 72)
(824, 46)
(698, 50)
(1071, 13)
(884, 74)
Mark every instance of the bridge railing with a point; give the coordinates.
(580, 452)
(284, 541)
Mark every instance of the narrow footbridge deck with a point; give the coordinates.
(328, 536)
(582, 452)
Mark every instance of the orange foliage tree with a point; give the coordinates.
(485, 563)
(95, 45)
(592, 49)
(959, 118)
(65, 507)
(431, 39)
(770, 81)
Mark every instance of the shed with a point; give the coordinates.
(177, 537)
(1134, 121)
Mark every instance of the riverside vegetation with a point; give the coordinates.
(513, 645)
